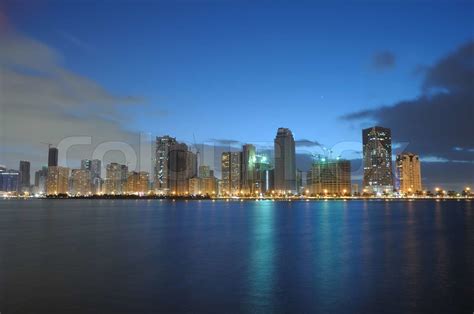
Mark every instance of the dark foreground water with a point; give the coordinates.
(144, 256)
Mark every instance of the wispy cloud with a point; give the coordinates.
(383, 60)
(42, 101)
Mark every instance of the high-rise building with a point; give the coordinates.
(81, 182)
(191, 164)
(377, 153)
(248, 169)
(52, 157)
(24, 184)
(205, 184)
(161, 162)
(138, 182)
(285, 162)
(231, 163)
(182, 165)
(40, 180)
(57, 181)
(409, 173)
(264, 178)
(9, 180)
(94, 166)
(208, 185)
(115, 178)
(329, 177)
(299, 181)
(204, 171)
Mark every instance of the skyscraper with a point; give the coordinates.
(115, 178)
(180, 168)
(328, 177)
(285, 161)
(40, 180)
(409, 173)
(377, 154)
(137, 182)
(52, 157)
(24, 184)
(81, 181)
(161, 170)
(94, 167)
(248, 168)
(204, 171)
(57, 181)
(231, 163)
(264, 180)
(9, 180)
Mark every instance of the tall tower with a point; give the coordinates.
(248, 168)
(94, 167)
(231, 167)
(162, 151)
(52, 157)
(179, 168)
(24, 184)
(285, 161)
(115, 178)
(409, 173)
(377, 153)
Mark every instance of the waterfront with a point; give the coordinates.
(136, 256)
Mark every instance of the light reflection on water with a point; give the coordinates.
(261, 275)
(212, 256)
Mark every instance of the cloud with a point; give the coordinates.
(307, 143)
(383, 60)
(441, 117)
(42, 101)
(225, 142)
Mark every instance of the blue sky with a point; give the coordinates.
(216, 66)
(235, 70)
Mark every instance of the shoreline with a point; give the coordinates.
(227, 199)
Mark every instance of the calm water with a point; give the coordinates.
(137, 256)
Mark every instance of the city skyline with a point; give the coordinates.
(178, 170)
(229, 87)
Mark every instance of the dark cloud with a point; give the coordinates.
(440, 120)
(383, 60)
(307, 143)
(454, 73)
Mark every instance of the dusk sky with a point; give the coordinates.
(238, 70)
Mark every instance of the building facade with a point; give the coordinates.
(9, 180)
(115, 178)
(138, 182)
(81, 183)
(248, 169)
(57, 181)
(408, 173)
(40, 180)
(329, 177)
(264, 181)
(285, 162)
(231, 170)
(161, 162)
(24, 180)
(182, 165)
(377, 155)
(53, 157)
(95, 168)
